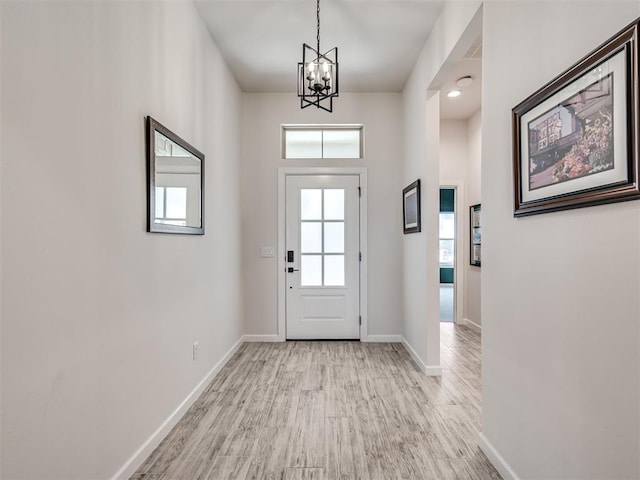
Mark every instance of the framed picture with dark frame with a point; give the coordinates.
(575, 141)
(411, 207)
(475, 235)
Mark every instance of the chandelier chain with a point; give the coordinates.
(318, 16)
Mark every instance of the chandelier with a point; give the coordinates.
(318, 74)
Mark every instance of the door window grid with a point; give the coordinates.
(322, 258)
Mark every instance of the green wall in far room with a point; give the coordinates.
(446, 275)
(447, 200)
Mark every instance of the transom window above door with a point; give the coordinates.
(322, 141)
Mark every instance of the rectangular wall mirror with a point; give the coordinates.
(175, 183)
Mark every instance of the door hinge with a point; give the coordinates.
(359, 191)
(360, 321)
(360, 256)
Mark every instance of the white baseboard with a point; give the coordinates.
(496, 459)
(382, 339)
(262, 338)
(472, 325)
(429, 370)
(134, 462)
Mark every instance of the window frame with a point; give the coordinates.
(322, 128)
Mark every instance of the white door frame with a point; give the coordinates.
(282, 176)
(461, 235)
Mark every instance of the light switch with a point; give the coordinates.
(267, 252)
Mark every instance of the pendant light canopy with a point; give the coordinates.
(318, 74)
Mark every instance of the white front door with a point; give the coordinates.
(323, 249)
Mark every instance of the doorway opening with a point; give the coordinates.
(323, 245)
(448, 243)
(322, 254)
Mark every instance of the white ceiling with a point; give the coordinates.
(378, 40)
(378, 44)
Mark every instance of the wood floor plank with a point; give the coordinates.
(415, 462)
(306, 447)
(344, 454)
(183, 437)
(282, 411)
(205, 444)
(270, 454)
(229, 468)
(305, 474)
(315, 372)
(332, 411)
(243, 435)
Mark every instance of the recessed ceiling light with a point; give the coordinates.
(453, 93)
(465, 81)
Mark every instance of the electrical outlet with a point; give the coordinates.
(195, 351)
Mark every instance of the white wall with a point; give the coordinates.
(453, 151)
(421, 160)
(560, 305)
(473, 192)
(460, 163)
(263, 114)
(98, 316)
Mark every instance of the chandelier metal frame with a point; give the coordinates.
(318, 74)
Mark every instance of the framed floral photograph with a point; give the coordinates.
(411, 207)
(575, 141)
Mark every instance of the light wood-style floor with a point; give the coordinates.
(332, 411)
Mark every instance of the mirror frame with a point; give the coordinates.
(154, 126)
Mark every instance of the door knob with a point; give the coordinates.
(291, 270)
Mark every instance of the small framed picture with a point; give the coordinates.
(475, 235)
(411, 207)
(575, 140)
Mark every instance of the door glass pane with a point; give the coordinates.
(334, 204)
(310, 270)
(310, 204)
(341, 144)
(176, 202)
(334, 270)
(303, 143)
(334, 237)
(159, 202)
(311, 237)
